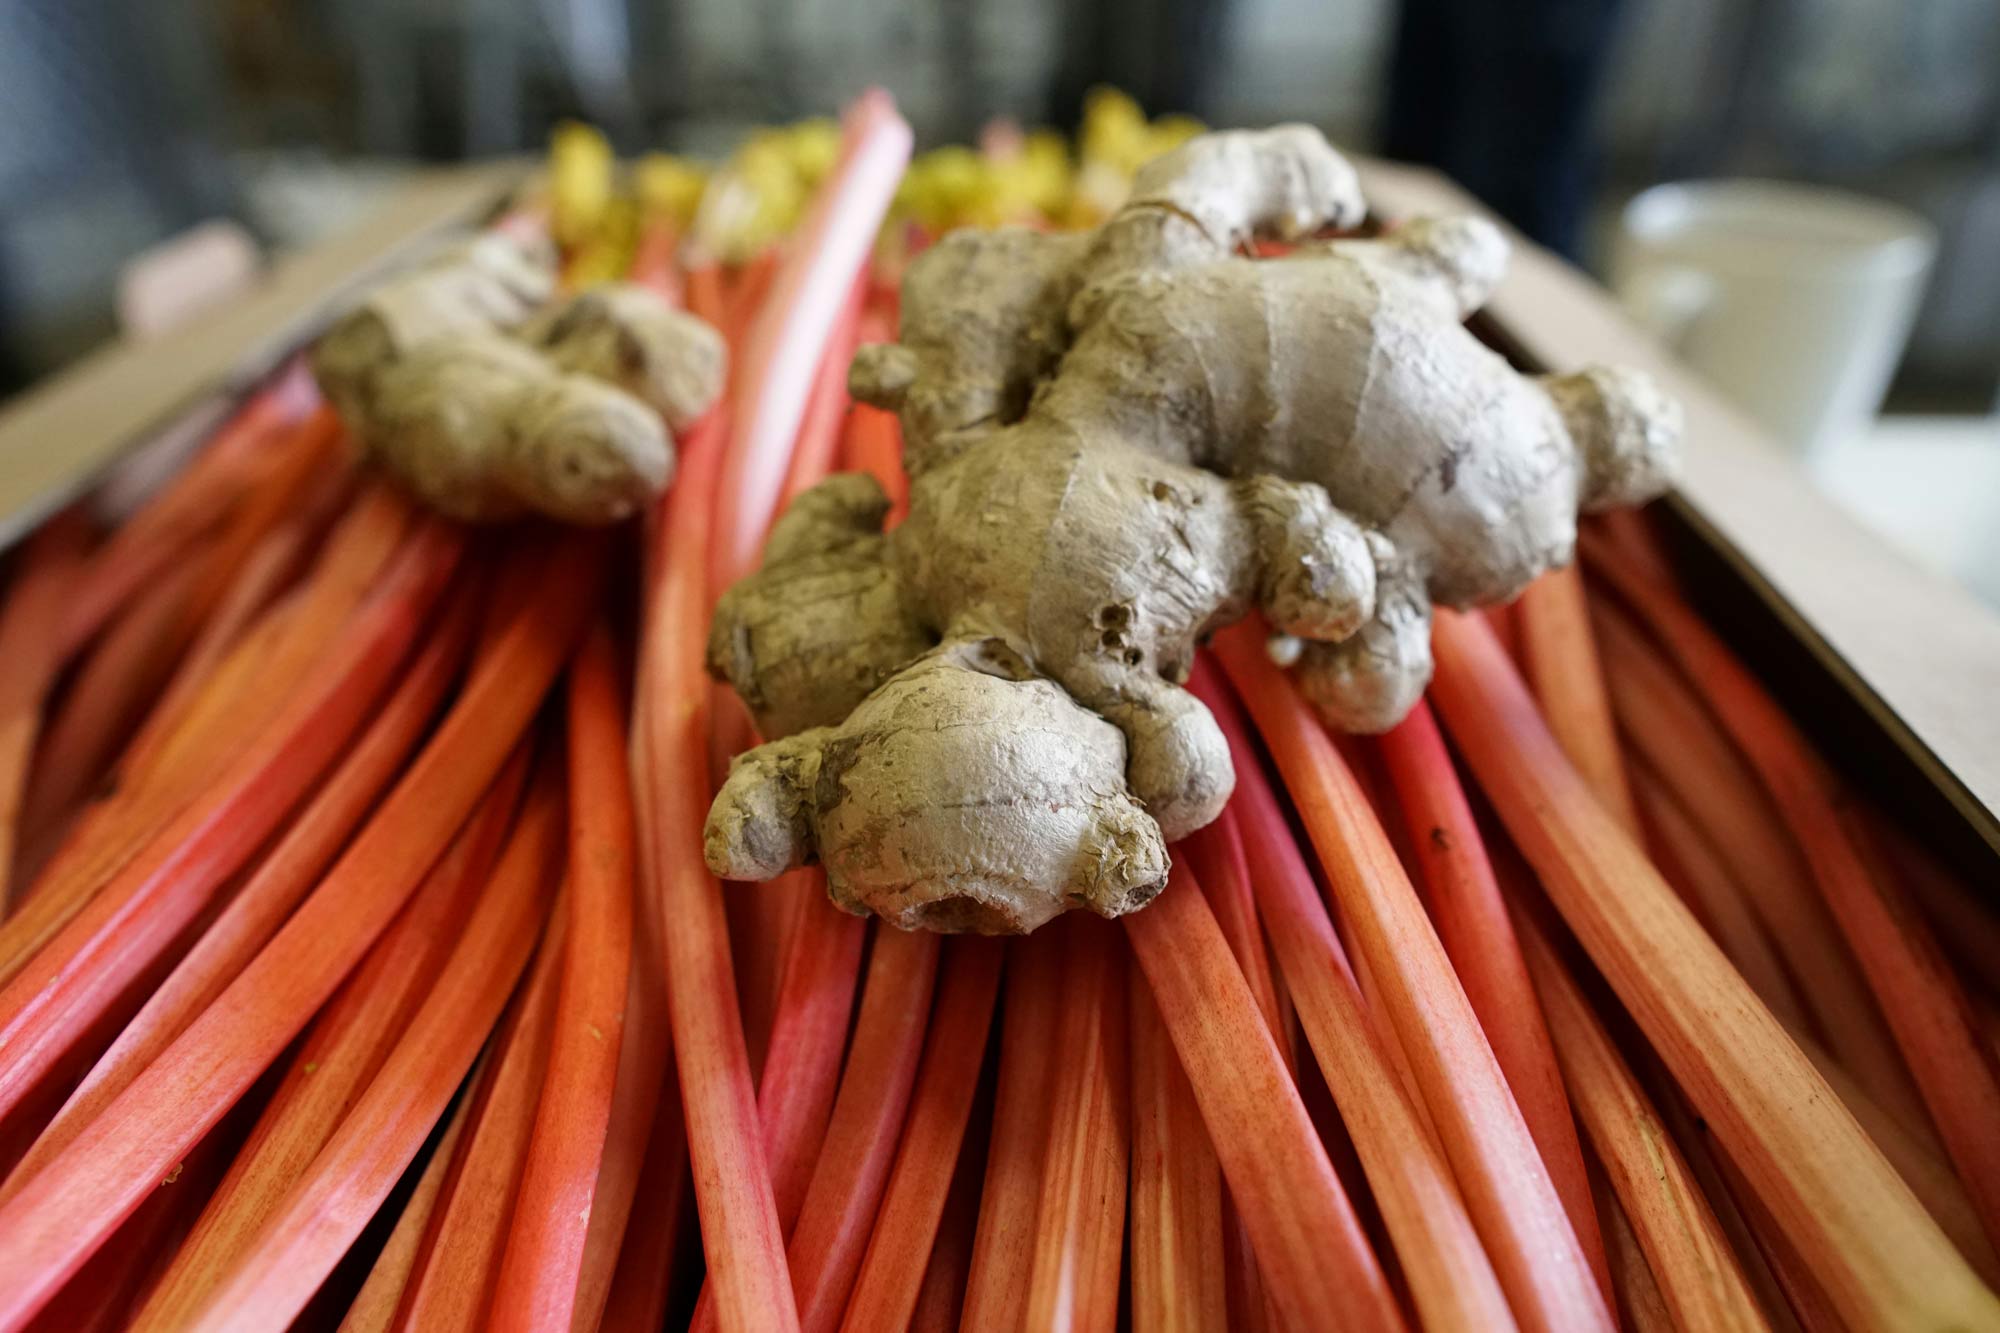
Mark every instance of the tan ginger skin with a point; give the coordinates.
(1118, 442)
(462, 381)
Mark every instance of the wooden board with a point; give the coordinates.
(1919, 653)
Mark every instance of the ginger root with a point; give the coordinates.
(462, 382)
(966, 733)
(1119, 441)
(489, 283)
(484, 429)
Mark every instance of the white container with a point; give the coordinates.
(1794, 300)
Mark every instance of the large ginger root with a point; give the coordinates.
(1121, 440)
(967, 733)
(459, 381)
(1365, 382)
(627, 336)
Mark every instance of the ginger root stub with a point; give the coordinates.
(464, 383)
(1119, 441)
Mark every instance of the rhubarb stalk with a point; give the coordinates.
(73, 981)
(374, 1307)
(1684, 745)
(1177, 1272)
(1003, 1243)
(61, 1216)
(1080, 1219)
(786, 341)
(1696, 1273)
(740, 1232)
(348, 1180)
(44, 574)
(273, 890)
(537, 1283)
(1934, 1023)
(1508, 1190)
(335, 1062)
(892, 1271)
(1558, 655)
(1880, 1256)
(1472, 921)
(453, 1287)
(1451, 1281)
(1311, 1251)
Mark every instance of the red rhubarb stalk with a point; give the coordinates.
(1641, 1308)
(841, 1201)
(801, 1074)
(70, 1207)
(347, 1182)
(453, 1287)
(795, 349)
(71, 984)
(1508, 1190)
(796, 1088)
(152, 538)
(538, 1281)
(1683, 743)
(653, 260)
(44, 574)
(1691, 864)
(256, 912)
(261, 676)
(749, 289)
(309, 464)
(1703, 1156)
(635, 1218)
(1473, 924)
(1920, 1162)
(104, 1293)
(1216, 856)
(635, 1295)
(1177, 1264)
(941, 1297)
(1697, 1274)
(1003, 1244)
(1558, 654)
(1635, 533)
(119, 679)
(1451, 1281)
(1926, 1007)
(790, 334)
(254, 581)
(1881, 1258)
(705, 296)
(258, 580)
(826, 408)
(374, 1307)
(346, 1046)
(871, 440)
(252, 685)
(740, 1232)
(1311, 1251)
(885, 1290)
(1080, 1219)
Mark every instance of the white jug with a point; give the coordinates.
(1792, 299)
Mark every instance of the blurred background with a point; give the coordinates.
(129, 121)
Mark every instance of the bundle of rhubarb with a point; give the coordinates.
(1226, 866)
